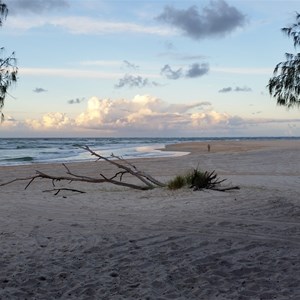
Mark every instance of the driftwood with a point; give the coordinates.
(147, 182)
(197, 180)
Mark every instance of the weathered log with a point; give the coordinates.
(148, 182)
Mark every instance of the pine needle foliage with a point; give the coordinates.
(8, 66)
(284, 86)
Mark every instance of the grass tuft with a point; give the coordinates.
(177, 183)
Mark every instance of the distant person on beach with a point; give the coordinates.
(208, 147)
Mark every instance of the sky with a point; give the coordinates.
(156, 68)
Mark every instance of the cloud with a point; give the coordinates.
(171, 74)
(55, 120)
(68, 73)
(135, 81)
(236, 89)
(145, 115)
(197, 70)
(84, 25)
(217, 19)
(75, 101)
(39, 90)
(130, 65)
(225, 90)
(79, 25)
(36, 6)
(140, 113)
(193, 71)
(242, 89)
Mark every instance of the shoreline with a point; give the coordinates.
(117, 243)
(45, 151)
(187, 148)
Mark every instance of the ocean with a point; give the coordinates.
(24, 151)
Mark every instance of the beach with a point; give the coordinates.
(113, 242)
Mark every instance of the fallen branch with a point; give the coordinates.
(148, 182)
(196, 179)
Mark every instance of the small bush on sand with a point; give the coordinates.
(177, 183)
(198, 180)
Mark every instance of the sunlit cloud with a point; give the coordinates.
(144, 114)
(55, 120)
(9, 122)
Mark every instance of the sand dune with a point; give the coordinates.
(117, 243)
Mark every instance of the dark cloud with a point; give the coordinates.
(130, 65)
(75, 101)
(217, 19)
(135, 81)
(171, 74)
(197, 70)
(39, 90)
(36, 6)
(237, 89)
(193, 71)
(226, 90)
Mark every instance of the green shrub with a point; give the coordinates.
(177, 183)
(195, 179)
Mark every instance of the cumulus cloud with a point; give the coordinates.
(54, 120)
(75, 101)
(217, 19)
(134, 81)
(147, 116)
(236, 89)
(141, 113)
(39, 90)
(9, 122)
(193, 71)
(36, 6)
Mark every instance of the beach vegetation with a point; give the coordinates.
(124, 172)
(177, 182)
(198, 180)
(284, 86)
(8, 66)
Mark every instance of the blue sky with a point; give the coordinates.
(146, 68)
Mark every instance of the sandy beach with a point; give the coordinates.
(118, 243)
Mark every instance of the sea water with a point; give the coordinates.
(22, 151)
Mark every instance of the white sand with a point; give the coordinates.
(117, 243)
